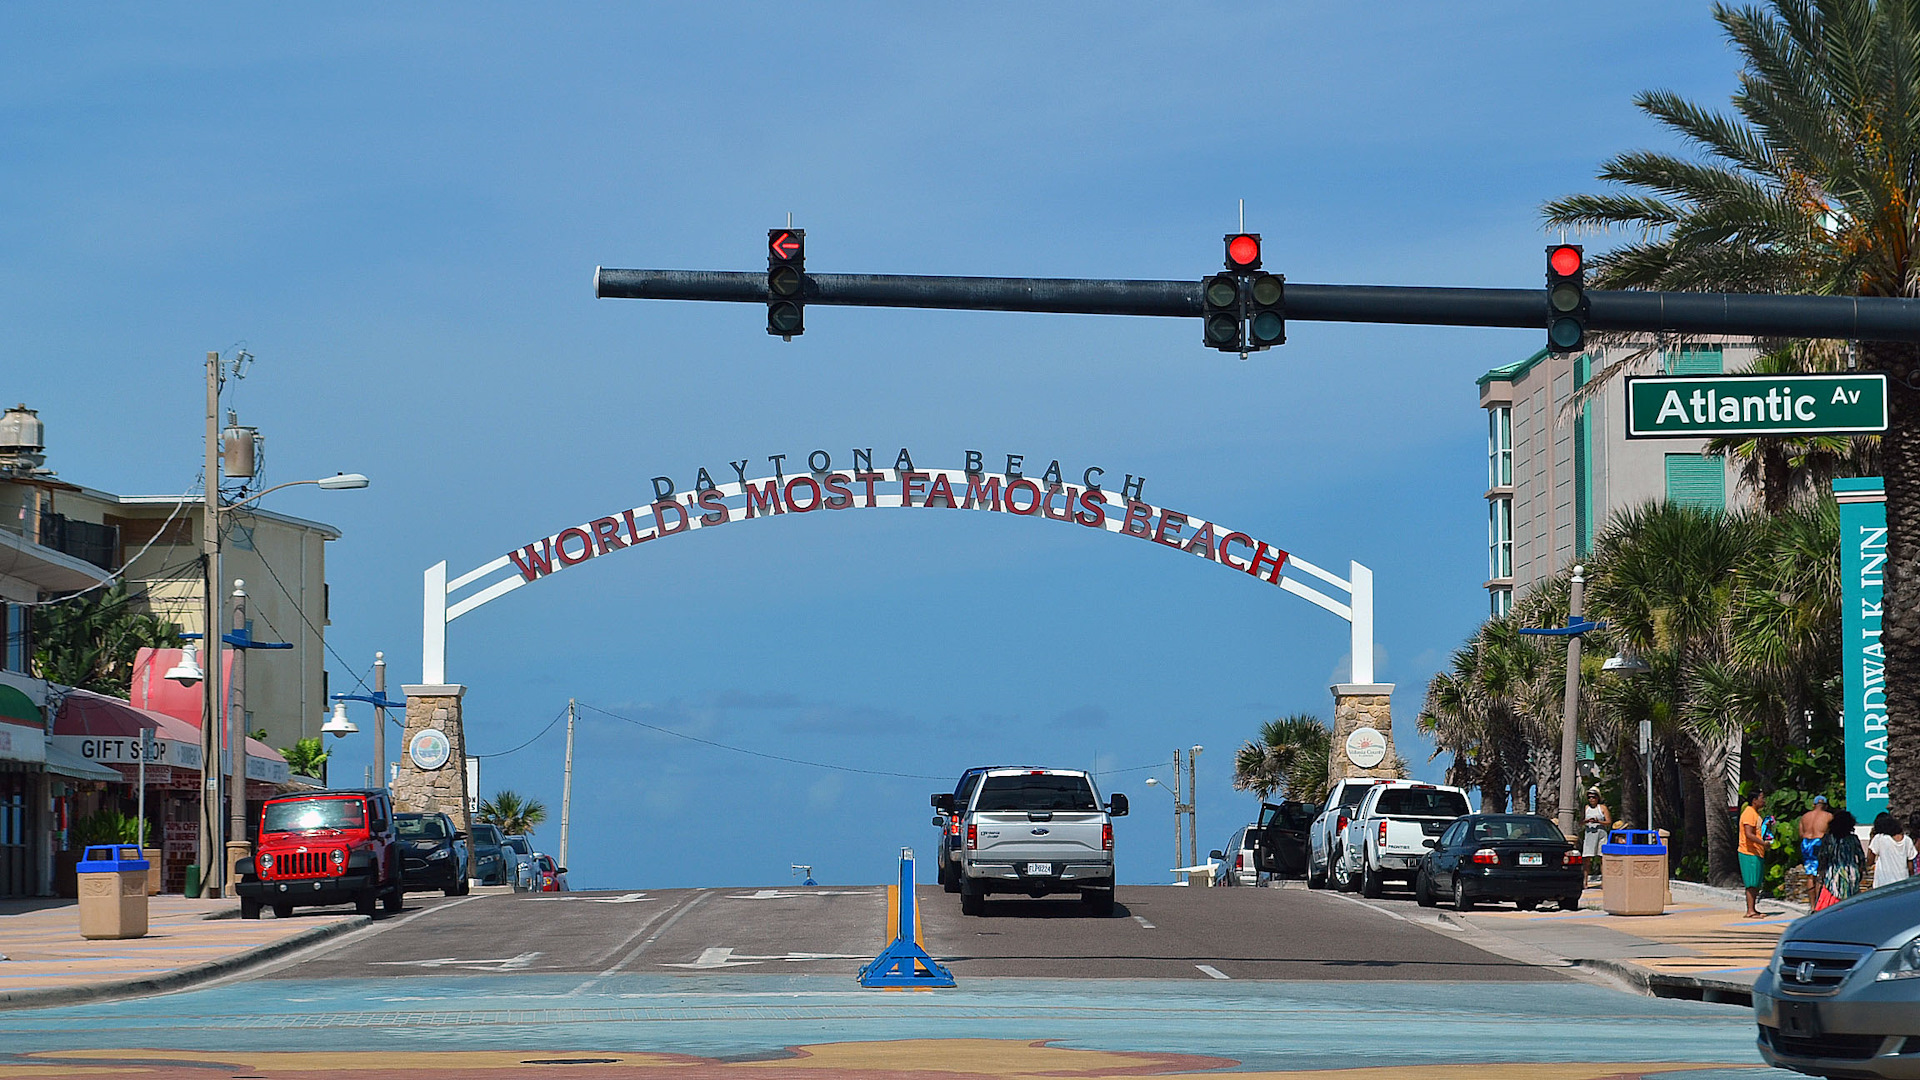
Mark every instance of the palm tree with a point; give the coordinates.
(308, 757)
(515, 815)
(1291, 755)
(1811, 186)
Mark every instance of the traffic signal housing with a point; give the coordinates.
(1267, 311)
(1566, 298)
(1222, 317)
(786, 282)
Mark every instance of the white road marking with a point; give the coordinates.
(1141, 919)
(781, 894)
(724, 958)
(642, 947)
(1370, 907)
(509, 963)
(1212, 972)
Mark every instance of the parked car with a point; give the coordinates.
(1038, 831)
(434, 853)
(1391, 831)
(1280, 847)
(1327, 835)
(1483, 858)
(547, 876)
(323, 848)
(489, 858)
(517, 853)
(947, 819)
(1841, 995)
(1238, 857)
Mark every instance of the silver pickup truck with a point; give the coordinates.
(1037, 831)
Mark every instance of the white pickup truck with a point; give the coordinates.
(1393, 829)
(1037, 831)
(1327, 836)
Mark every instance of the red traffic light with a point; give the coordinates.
(1243, 251)
(1565, 259)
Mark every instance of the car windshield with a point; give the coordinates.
(422, 828)
(1042, 791)
(1352, 796)
(303, 815)
(1516, 828)
(517, 845)
(486, 834)
(1421, 802)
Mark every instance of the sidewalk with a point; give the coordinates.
(1702, 948)
(45, 961)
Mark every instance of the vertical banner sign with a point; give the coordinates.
(1863, 562)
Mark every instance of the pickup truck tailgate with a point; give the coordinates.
(1019, 836)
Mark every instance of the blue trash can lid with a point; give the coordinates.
(110, 858)
(1633, 842)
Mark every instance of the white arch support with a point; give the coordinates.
(771, 496)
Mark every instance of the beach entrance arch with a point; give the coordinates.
(1362, 727)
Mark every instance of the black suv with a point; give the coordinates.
(433, 852)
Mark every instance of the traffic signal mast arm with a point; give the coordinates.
(1861, 318)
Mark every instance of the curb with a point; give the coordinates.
(180, 978)
(1684, 987)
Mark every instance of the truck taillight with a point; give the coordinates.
(1383, 836)
(973, 836)
(1106, 836)
(953, 826)
(1486, 856)
(1341, 824)
(1240, 861)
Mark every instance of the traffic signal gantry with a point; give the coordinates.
(1246, 309)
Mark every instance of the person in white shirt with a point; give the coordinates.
(1890, 851)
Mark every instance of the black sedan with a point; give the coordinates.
(1482, 858)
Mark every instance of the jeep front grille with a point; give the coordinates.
(301, 864)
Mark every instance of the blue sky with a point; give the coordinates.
(399, 213)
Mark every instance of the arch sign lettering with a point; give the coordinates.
(822, 488)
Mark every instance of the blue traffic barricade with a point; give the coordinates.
(113, 892)
(903, 963)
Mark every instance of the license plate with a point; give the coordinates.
(1036, 869)
(1800, 1018)
(1531, 858)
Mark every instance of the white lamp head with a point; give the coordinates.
(1626, 663)
(339, 726)
(187, 672)
(343, 481)
(1153, 782)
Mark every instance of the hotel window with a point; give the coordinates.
(1499, 538)
(1500, 446)
(1502, 598)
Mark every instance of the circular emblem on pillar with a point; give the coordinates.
(1366, 747)
(429, 749)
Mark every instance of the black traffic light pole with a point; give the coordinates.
(1738, 314)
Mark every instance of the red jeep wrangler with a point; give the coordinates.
(326, 847)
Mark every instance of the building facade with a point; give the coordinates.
(1559, 464)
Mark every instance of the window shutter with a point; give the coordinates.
(1696, 481)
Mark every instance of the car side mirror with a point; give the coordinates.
(943, 802)
(1216, 853)
(1430, 842)
(458, 835)
(939, 822)
(1117, 805)
(563, 869)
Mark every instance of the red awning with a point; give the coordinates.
(83, 712)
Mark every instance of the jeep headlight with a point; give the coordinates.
(338, 857)
(439, 853)
(266, 860)
(1905, 963)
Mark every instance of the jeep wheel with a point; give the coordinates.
(1370, 883)
(366, 902)
(249, 907)
(393, 900)
(972, 901)
(283, 911)
(1099, 902)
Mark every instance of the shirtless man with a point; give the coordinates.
(1813, 829)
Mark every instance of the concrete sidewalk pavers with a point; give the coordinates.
(47, 962)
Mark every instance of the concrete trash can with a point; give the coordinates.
(113, 892)
(1633, 873)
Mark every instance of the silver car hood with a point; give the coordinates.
(1883, 918)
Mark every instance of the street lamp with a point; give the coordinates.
(1154, 782)
(187, 672)
(1577, 624)
(381, 703)
(339, 726)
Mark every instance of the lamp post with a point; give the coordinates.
(381, 703)
(1154, 782)
(1577, 625)
(1626, 663)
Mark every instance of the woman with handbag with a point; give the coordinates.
(1841, 862)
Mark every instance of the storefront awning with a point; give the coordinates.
(107, 730)
(62, 762)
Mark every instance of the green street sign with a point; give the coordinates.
(1698, 406)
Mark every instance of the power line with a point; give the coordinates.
(758, 753)
(529, 742)
(300, 611)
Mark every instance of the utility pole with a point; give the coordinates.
(236, 846)
(566, 788)
(1193, 816)
(210, 622)
(1179, 808)
(1570, 716)
(380, 720)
